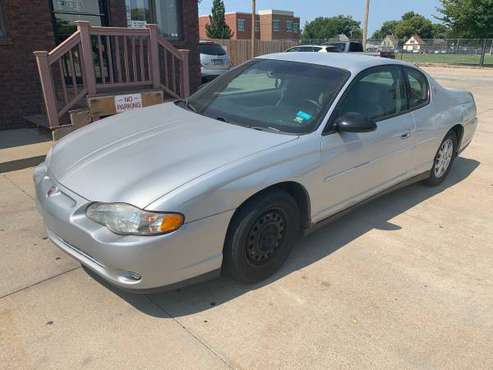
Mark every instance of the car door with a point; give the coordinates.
(355, 166)
(429, 131)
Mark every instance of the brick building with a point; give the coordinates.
(29, 25)
(270, 25)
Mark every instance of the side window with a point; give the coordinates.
(378, 94)
(418, 88)
(306, 48)
(355, 47)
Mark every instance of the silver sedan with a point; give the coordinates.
(225, 181)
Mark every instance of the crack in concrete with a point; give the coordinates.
(38, 282)
(198, 339)
(17, 186)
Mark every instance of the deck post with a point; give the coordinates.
(87, 57)
(154, 60)
(185, 90)
(48, 87)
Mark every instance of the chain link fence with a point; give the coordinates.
(468, 52)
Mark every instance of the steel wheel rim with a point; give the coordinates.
(443, 158)
(266, 237)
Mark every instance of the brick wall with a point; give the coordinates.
(117, 16)
(265, 32)
(29, 28)
(190, 39)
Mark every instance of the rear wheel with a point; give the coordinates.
(261, 236)
(443, 160)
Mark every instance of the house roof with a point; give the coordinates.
(418, 39)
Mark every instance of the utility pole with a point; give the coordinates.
(365, 23)
(253, 27)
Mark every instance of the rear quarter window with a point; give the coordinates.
(419, 88)
(211, 49)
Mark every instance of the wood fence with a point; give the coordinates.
(239, 51)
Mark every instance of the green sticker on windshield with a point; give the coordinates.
(302, 117)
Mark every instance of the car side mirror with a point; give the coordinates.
(354, 122)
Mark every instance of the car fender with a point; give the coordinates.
(226, 188)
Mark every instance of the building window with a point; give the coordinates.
(241, 25)
(165, 13)
(66, 12)
(3, 27)
(276, 25)
(138, 13)
(296, 27)
(257, 25)
(168, 17)
(289, 26)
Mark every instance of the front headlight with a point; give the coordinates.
(122, 218)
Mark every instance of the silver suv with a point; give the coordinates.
(214, 60)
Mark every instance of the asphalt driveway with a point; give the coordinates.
(404, 282)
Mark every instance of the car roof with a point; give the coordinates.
(353, 62)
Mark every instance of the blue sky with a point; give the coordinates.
(380, 10)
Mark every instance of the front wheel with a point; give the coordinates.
(443, 160)
(261, 236)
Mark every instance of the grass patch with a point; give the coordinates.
(446, 58)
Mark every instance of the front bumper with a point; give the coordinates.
(128, 261)
(213, 71)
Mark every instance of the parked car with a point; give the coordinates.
(343, 47)
(214, 60)
(313, 48)
(226, 180)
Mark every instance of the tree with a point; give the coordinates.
(468, 18)
(411, 23)
(414, 24)
(440, 31)
(388, 28)
(326, 28)
(217, 27)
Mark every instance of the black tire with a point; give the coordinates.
(261, 236)
(436, 179)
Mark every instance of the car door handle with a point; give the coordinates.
(406, 135)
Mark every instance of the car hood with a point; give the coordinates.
(139, 156)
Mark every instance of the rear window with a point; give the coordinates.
(211, 49)
(355, 47)
(340, 46)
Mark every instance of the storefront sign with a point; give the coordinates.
(128, 102)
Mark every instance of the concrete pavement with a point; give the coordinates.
(404, 282)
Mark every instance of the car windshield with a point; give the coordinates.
(211, 49)
(271, 95)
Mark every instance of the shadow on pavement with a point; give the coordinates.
(23, 136)
(374, 215)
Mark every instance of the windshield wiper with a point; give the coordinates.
(187, 104)
(267, 129)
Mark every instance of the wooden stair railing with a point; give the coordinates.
(96, 60)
